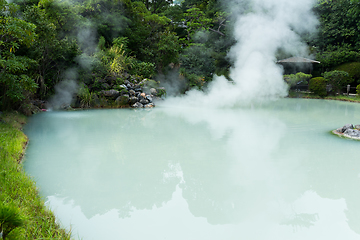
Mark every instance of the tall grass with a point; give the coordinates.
(18, 191)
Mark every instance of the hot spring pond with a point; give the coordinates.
(265, 172)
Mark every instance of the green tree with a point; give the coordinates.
(337, 79)
(15, 84)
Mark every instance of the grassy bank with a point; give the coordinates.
(293, 94)
(20, 202)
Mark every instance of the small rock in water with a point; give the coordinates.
(339, 130)
(352, 133)
(357, 126)
(347, 126)
(150, 105)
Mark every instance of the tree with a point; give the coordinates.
(15, 84)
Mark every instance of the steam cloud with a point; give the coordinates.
(64, 91)
(261, 29)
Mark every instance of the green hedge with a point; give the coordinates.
(318, 86)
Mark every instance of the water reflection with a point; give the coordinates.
(226, 173)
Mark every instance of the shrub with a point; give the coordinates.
(144, 69)
(335, 57)
(294, 79)
(86, 97)
(358, 90)
(318, 86)
(337, 79)
(352, 68)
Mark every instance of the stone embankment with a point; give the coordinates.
(349, 131)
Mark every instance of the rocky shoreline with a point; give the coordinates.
(349, 131)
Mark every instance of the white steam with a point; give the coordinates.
(65, 91)
(261, 30)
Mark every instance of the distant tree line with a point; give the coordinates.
(41, 41)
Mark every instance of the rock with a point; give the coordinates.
(144, 101)
(339, 130)
(150, 105)
(137, 105)
(133, 100)
(149, 98)
(347, 126)
(111, 93)
(122, 100)
(132, 92)
(153, 91)
(123, 86)
(352, 133)
(357, 127)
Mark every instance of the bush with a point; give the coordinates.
(294, 79)
(318, 86)
(358, 90)
(337, 79)
(144, 69)
(352, 68)
(335, 57)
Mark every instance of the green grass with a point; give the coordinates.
(293, 94)
(19, 190)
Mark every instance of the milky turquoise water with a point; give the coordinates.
(261, 172)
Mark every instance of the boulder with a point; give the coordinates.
(132, 92)
(137, 105)
(144, 101)
(347, 126)
(111, 93)
(149, 98)
(357, 127)
(153, 91)
(133, 100)
(354, 133)
(122, 100)
(150, 105)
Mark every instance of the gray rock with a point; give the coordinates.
(153, 91)
(144, 101)
(133, 100)
(122, 100)
(111, 93)
(352, 133)
(339, 130)
(150, 105)
(347, 126)
(137, 105)
(132, 92)
(357, 126)
(123, 86)
(149, 98)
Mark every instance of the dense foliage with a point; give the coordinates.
(43, 42)
(318, 86)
